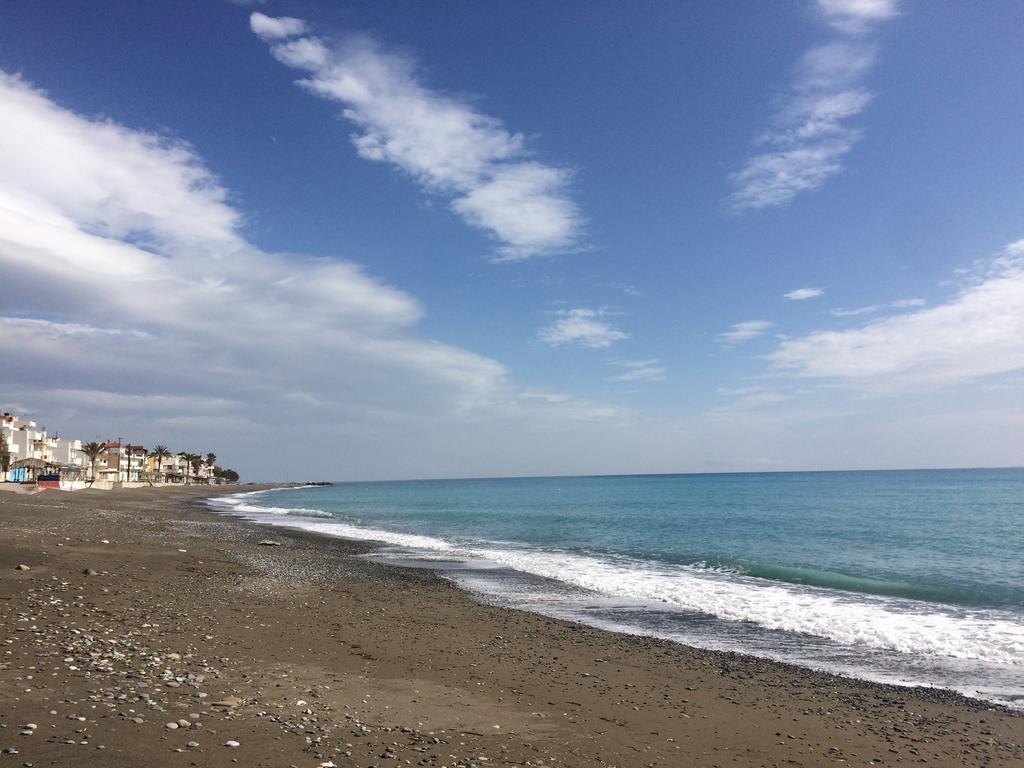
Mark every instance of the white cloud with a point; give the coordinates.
(745, 331)
(586, 327)
(132, 300)
(269, 28)
(646, 371)
(872, 308)
(906, 303)
(755, 397)
(799, 294)
(811, 134)
(856, 312)
(856, 16)
(978, 333)
(120, 401)
(446, 145)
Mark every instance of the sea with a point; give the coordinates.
(907, 577)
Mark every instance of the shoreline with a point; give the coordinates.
(386, 646)
(936, 693)
(478, 586)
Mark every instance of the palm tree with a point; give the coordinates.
(160, 453)
(92, 451)
(190, 460)
(5, 457)
(197, 464)
(211, 463)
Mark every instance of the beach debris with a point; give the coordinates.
(104, 541)
(270, 543)
(22, 567)
(232, 743)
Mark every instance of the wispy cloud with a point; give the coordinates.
(856, 311)
(447, 146)
(799, 294)
(753, 397)
(811, 135)
(855, 17)
(978, 333)
(873, 308)
(907, 303)
(641, 371)
(745, 331)
(586, 327)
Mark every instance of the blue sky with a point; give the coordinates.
(532, 239)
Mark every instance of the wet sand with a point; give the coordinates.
(148, 631)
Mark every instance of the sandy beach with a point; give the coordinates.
(149, 631)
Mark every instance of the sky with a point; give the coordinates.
(361, 240)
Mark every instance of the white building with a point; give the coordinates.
(26, 440)
(65, 451)
(23, 438)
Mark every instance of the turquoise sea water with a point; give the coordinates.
(912, 577)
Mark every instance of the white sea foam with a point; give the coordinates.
(896, 624)
(237, 506)
(850, 619)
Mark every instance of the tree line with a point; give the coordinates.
(192, 461)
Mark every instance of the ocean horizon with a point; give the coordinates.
(910, 577)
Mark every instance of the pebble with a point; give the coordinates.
(232, 743)
(90, 572)
(192, 745)
(10, 751)
(171, 726)
(21, 567)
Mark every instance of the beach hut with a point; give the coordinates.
(28, 470)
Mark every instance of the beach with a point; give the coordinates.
(148, 630)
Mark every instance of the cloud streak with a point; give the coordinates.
(451, 149)
(811, 135)
(873, 308)
(641, 371)
(800, 294)
(743, 332)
